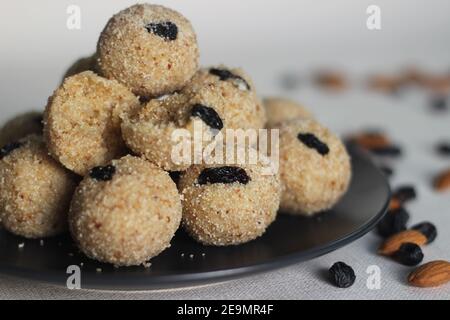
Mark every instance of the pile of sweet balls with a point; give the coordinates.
(98, 161)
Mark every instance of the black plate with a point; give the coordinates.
(288, 240)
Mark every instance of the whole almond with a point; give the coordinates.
(383, 83)
(432, 274)
(331, 80)
(371, 140)
(442, 182)
(394, 204)
(393, 243)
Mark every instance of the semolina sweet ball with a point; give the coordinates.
(21, 126)
(315, 168)
(243, 108)
(82, 121)
(35, 190)
(279, 110)
(228, 204)
(149, 131)
(149, 48)
(125, 213)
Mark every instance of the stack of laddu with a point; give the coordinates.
(97, 161)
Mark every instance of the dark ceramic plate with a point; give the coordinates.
(289, 240)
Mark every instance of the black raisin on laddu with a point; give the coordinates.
(103, 173)
(312, 142)
(225, 75)
(166, 30)
(208, 116)
(225, 175)
(10, 147)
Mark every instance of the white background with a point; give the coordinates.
(269, 38)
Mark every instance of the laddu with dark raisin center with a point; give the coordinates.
(311, 141)
(225, 75)
(208, 116)
(10, 147)
(226, 175)
(103, 173)
(409, 254)
(428, 230)
(166, 30)
(342, 275)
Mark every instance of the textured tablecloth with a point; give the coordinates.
(319, 34)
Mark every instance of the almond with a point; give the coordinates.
(438, 84)
(442, 182)
(395, 204)
(371, 140)
(331, 80)
(384, 83)
(432, 274)
(393, 243)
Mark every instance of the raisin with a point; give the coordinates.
(208, 116)
(103, 173)
(409, 254)
(290, 81)
(144, 100)
(342, 275)
(388, 172)
(311, 141)
(166, 30)
(10, 147)
(175, 176)
(39, 120)
(444, 148)
(225, 75)
(405, 193)
(393, 222)
(428, 230)
(225, 175)
(439, 103)
(391, 151)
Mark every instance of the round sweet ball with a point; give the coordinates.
(315, 168)
(21, 126)
(35, 191)
(243, 107)
(82, 121)
(151, 49)
(157, 130)
(228, 205)
(125, 213)
(279, 110)
(83, 64)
